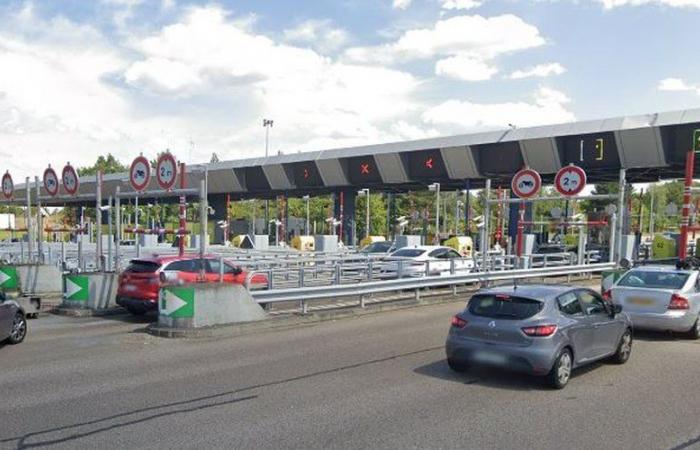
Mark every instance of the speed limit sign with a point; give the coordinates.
(50, 181)
(8, 187)
(140, 173)
(526, 183)
(70, 179)
(166, 171)
(570, 180)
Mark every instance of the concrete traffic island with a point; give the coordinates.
(88, 294)
(193, 310)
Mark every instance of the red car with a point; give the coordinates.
(140, 283)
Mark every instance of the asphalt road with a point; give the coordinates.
(379, 381)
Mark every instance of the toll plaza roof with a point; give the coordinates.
(650, 147)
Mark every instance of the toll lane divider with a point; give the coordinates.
(379, 287)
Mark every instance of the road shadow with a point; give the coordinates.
(660, 336)
(494, 377)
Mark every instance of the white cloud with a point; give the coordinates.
(401, 4)
(548, 106)
(540, 70)
(610, 4)
(678, 85)
(318, 34)
(475, 36)
(465, 68)
(460, 4)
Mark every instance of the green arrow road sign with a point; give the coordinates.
(177, 302)
(76, 287)
(8, 277)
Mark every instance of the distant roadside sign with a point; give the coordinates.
(526, 183)
(696, 141)
(140, 173)
(70, 179)
(166, 171)
(570, 180)
(8, 187)
(50, 181)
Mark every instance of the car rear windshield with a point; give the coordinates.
(142, 266)
(654, 280)
(408, 253)
(377, 247)
(500, 306)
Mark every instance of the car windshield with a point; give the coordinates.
(503, 306)
(654, 280)
(377, 247)
(137, 266)
(408, 253)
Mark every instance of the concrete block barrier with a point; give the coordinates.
(94, 291)
(37, 279)
(201, 305)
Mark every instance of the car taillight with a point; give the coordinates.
(458, 322)
(678, 302)
(540, 330)
(607, 295)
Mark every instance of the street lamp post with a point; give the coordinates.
(267, 124)
(435, 187)
(306, 199)
(365, 193)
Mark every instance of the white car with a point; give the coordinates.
(425, 259)
(660, 298)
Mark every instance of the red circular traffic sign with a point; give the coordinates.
(166, 171)
(70, 179)
(526, 183)
(570, 180)
(8, 187)
(50, 181)
(140, 173)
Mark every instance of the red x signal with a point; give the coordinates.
(429, 163)
(306, 174)
(364, 169)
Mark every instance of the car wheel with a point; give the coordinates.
(457, 365)
(624, 348)
(560, 374)
(694, 332)
(19, 329)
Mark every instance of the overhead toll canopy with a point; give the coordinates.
(650, 147)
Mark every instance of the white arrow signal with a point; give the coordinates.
(172, 303)
(4, 277)
(72, 288)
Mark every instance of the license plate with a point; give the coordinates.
(130, 288)
(489, 358)
(640, 301)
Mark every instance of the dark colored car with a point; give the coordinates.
(538, 329)
(378, 248)
(140, 283)
(13, 323)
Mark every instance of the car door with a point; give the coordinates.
(7, 315)
(606, 329)
(577, 327)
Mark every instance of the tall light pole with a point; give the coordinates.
(306, 199)
(365, 193)
(435, 187)
(267, 124)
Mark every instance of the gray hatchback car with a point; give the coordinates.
(538, 329)
(13, 323)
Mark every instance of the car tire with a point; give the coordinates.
(457, 365)
(19, 329)
(694, 332)
(559, 376)
(624, 348)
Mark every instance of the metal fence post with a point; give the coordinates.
(337, 273)
(221, 269)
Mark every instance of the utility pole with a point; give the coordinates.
(267, 124)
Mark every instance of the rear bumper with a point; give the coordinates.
(533, 359)
(678, 321)
(136, 304)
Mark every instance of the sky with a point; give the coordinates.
(83, 78)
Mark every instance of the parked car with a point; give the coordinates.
(660, 298)
(140, 283)
(414, 260)
(544, 330)
(13, 323)
(378, 248)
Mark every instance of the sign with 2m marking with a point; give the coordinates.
(166, 171)
(570, 180)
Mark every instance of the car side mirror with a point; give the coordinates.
(237, 271)
(615, 309)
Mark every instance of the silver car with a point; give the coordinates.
(538, 329)
(660, 298)
(13, 323)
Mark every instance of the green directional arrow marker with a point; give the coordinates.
(177, 302)
(76, 287)
(8, 277)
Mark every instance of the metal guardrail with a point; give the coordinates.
(378, 287)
